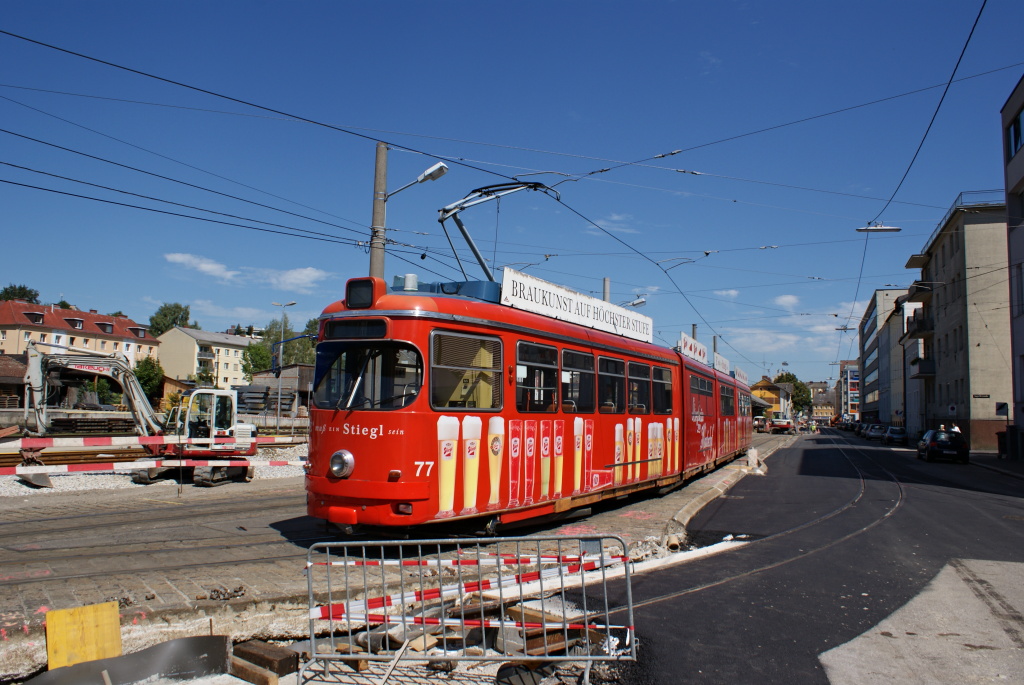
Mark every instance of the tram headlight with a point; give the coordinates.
(342, 464)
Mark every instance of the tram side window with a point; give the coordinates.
(662, 396)
(465, 372)
(611, 385)
(639, 388)
(744, 404)
(536, 378)
(700, 385)
(577, 382)
(727, 396)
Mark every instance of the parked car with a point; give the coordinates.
(895, 435)
(943, 444)
(782, 425)
(875, 431)
(760, 424)
(861, 429)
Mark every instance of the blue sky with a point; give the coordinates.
(500, 90)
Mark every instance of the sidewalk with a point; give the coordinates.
(1013, 468)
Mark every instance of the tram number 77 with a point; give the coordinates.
(419, 467)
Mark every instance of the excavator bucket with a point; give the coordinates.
(38, 480)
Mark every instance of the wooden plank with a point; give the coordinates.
(279, 660)
(251, 673)
(81, 634)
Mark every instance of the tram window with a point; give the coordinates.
(611, 385)
(465, 372)
(727, 399)
(639, 388)
(378, 376)
(744, 404)
(661, 399)
(700, 385)
(577, 382)
(536, 378)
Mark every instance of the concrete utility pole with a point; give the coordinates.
(380, 197)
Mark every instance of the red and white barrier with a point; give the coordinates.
(134, 441)
(137, 465)
(355, 608)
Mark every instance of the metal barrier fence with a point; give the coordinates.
(528, 600)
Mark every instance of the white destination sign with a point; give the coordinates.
(525, 292)
(721, 363)
(741, 375)
(692, 349)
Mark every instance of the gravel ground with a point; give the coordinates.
(12, 486)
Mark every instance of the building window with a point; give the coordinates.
(116, 346)
(71, 341)
(236, 353)
(127, 347)
(42, 337)
(1015, 135)
(3, 335)
(103, 344)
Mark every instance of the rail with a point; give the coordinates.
(532, 601)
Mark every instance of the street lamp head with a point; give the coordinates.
(433, 173)
(287, 304)
(878, 227)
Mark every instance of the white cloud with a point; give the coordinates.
(787, 301)
(732, 293)
(202, 265)
(617, 223)
(709, 62)
(303, 280)
(206, 308)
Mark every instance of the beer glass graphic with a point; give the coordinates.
(577, 454)
(495, 454)
(677, 439)
(652, 446)
(447, 448)
(515, 452)
(617, 468)
(545, 460)
(529, 459)
(630, 437)
(588, 451)
(638, 452)
(668, 465)
(471, 427)
(559, 457)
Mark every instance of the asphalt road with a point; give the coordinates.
(907, 571)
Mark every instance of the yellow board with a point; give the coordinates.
(82, 634)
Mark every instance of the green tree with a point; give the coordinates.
(167, 316)
(801, 393)
(64, 304)
(117, 313)
(151, 376)
(255, 358)
(20, 292)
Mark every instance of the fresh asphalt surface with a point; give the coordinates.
(844, 533)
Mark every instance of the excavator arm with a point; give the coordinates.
(115, 366)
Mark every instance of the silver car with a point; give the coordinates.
(875, 432)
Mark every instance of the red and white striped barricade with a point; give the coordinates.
(560, 600)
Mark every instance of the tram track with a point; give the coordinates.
(805, 551)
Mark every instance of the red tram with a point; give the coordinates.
(441, 402)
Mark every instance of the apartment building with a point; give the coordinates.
(22, 322)
(1013, 164)
(964, 322)
(848, 390)
(187, 352)
(873, 361)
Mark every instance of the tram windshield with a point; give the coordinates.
(364, 375)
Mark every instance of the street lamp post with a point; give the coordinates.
(380, 198)
(280, 359)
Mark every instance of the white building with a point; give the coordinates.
(186, 352)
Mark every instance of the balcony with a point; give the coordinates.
(920, 325)
(920, 291)
(922, 368)
(205, 355)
